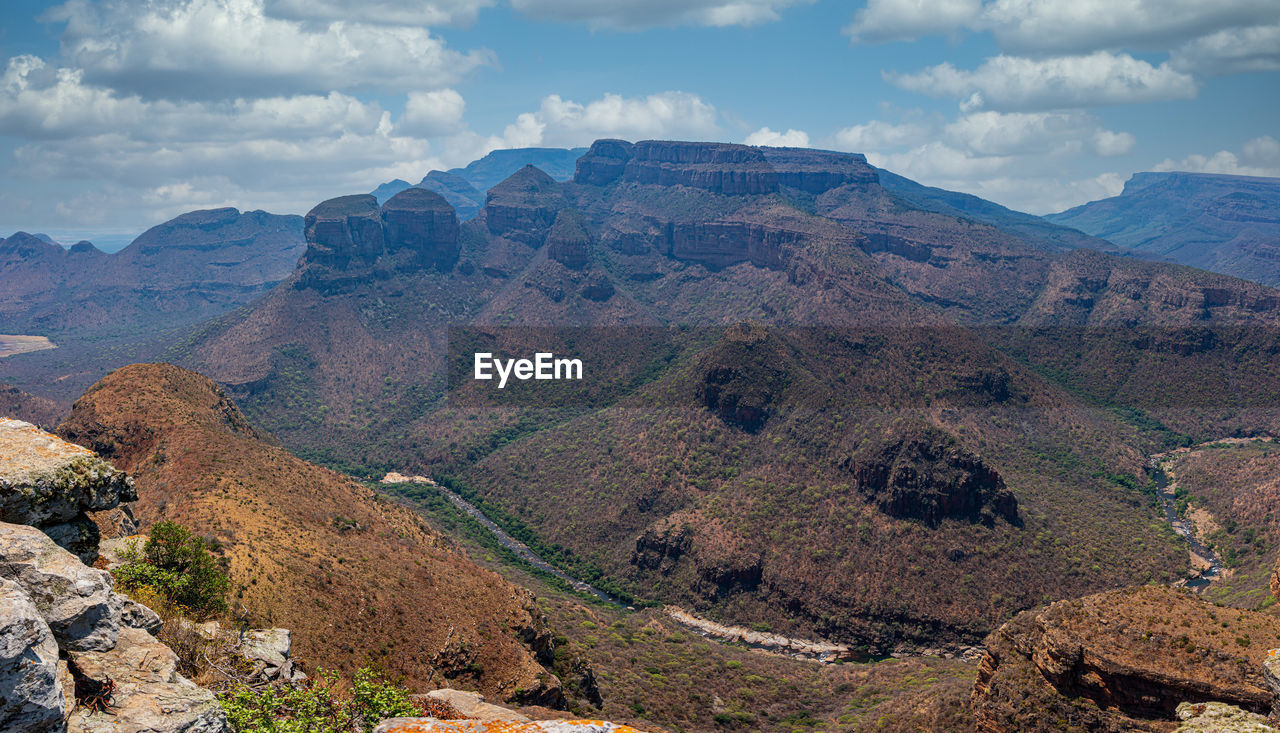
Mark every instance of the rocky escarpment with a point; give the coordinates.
(568, 242)
(523, 207)
(51, 484)
(721, 168)
(351, 238)
(67, 639)
(927, 475)
(1122, 660)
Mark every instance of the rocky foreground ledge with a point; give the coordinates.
(51, 484)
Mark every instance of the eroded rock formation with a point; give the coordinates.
(49, 483)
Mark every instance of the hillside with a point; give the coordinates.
(1228, 224)
(889, 406)
(358, 580)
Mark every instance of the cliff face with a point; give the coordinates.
(523, 207)
(351, 237)
(304, 534)
(1122, 660)
(51, 484)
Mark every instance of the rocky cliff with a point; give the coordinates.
(523, 207)
(53, 485)
(1122, 660)
(350, 238)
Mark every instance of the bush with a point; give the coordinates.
(178, 566)
(318, 708)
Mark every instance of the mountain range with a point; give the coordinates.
(821, 400)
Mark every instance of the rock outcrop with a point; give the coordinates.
(148, 693)
(49, 483)
(523, 207)
(927, 475)
(31, 697)
(568, 242)
(351, 238)
(819, 171)
(423, 223)
(76, 601)
(1122, 660)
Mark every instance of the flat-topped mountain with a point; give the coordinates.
(1224, 223)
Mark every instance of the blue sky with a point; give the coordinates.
(118, 114)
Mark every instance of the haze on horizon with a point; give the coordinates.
(118, 114)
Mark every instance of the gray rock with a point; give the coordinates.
(137, 616)
(149, 694)
(49, 483)
(31, 697)
(75, 600)
(79, 537)
(1271, 678)
(268, 650)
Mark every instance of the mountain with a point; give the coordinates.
(185, 270)
(359, 580)
(1228, 224)
(1033, 228)
(808, 387)
(465, 188)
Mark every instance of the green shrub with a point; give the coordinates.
(318, 708)
(177, 565)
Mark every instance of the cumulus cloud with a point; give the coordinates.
(1231, 51)
(635, 14)
(1017, 83)
(386, 12)
(1035, 27)
(431, 113)
(559, 121)
(1258, 157)
(201, 49)
(1035, 133)
(879, 135)
(770, 138)
(900, 20)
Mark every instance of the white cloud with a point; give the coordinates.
(877, 135)
(1258, 157)
(1231, 51)
(675, 115)
(899, 20)
(1040, 27)
(1073, 26)
(1034, 133)
(1016, 83)
(432, 113)
(767, 137)
(232, 48)
(635, 14)
(386, 12)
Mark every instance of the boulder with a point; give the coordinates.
(49, 483)
(268, 650)
(31, 697)
(472, 705)
(137, 616)
(148, 693)
(75, 600)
